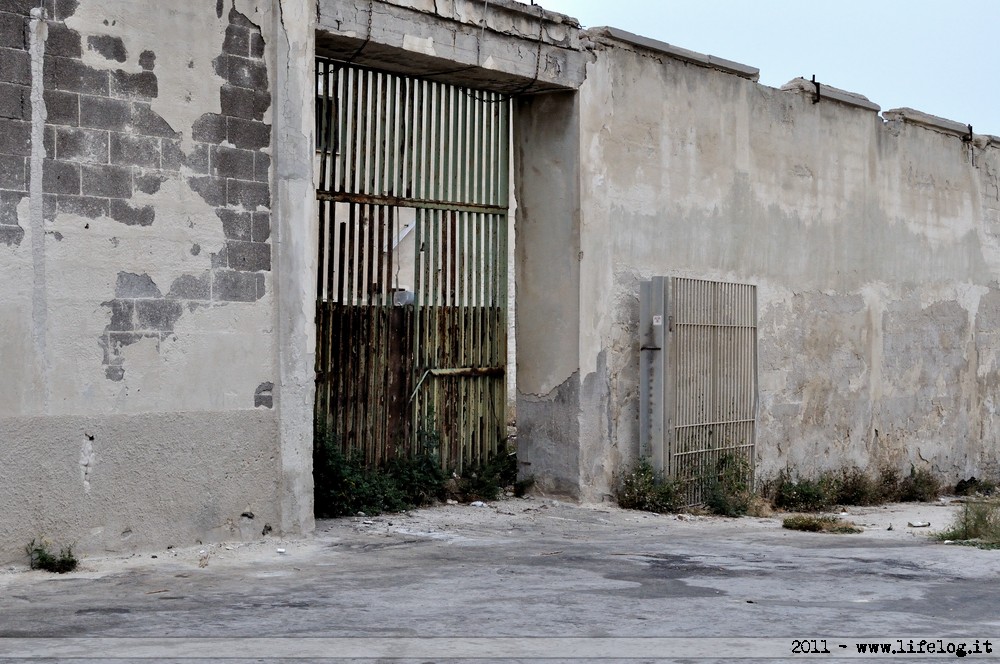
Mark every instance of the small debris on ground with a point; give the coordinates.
(918, 524)
(477, 503)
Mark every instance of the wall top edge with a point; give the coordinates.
(913, 116)
(676, 52)
(829, 92)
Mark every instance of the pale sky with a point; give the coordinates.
(937, 57)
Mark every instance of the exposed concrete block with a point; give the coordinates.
(15, 66)
(209, 128)
(232, 163)
(127, 85)
(10, 235)
(244, 103)
(197, 159)
(127, 149)
(261, 229)
(9, 200)
(13, 31)
(171, 155)
(13, 172)
(13, 102)
(148, 183)
(104, 113)
(22, 7)
(49, 141)
(147, 60)
(235, 225)
(131, 285)
(245, 72)
(262, 167)
(50, 206)
(249, 256)
(61, 10)
(15, 137)
(62, 108)
(125, 213)
(233, 286)
(263, 396)
(107, 181)
(84, 206)
(248, 134)
(249, 195)
(60, 177)
(157, 314)
(122, 315)
(63, 41)
(147, 122)
(85, 145)
(237, 41)
(256, 45)
(73, 76)
(212, 190)
(190, 287)
(112, 48)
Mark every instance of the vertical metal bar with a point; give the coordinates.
(394, 176)
(326, 110)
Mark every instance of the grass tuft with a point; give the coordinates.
(40, 557)
(820, 524)
(645, 489)
(728, 491)
(977, 524)
(346, 485)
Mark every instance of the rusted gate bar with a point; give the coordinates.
(411, 338)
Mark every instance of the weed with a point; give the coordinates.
(487, 480)
(973, 486)
(39, 557)
(919, 486)
(978, 524)
(728, 491)
(855, 487)
(804, 495)
(346, 485)
(645, 489)
(888, 484)
(819, 524)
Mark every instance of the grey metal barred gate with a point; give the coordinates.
(698, 379)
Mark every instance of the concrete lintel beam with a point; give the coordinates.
(509, 48)
(827, 92)
(613, 35)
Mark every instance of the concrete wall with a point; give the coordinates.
(139, 311)
(873, 241)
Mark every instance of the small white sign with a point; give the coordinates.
(657, 320)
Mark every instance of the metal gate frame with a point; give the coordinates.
(398, 372)
(698, 379)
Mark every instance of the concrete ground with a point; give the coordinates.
(518, 568)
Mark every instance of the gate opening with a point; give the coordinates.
(411, 312)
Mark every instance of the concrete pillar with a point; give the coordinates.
(547, 278)
(295, 255)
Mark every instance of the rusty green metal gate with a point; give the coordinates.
(411, 308)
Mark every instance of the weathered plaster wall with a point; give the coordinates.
(873, 244)
(138, 308)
